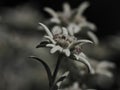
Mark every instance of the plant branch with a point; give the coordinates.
(57, 68)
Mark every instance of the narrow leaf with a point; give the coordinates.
(46, 68)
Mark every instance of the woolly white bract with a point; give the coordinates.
(72, 19)
(60, 40)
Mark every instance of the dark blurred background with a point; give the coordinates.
(19, 35)
(104, 13)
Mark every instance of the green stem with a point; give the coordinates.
(56, 71)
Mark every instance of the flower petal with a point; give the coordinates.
(50, 45)
(65, 31)
(66, 10)
(55, 20)
(55, 49)
(51, 39)
(51, 12)
(90, 25)
(82, 8)
(47, 30)
(93, 37)
(67, 52)
(81, 42)
(85, 61)
(73, 28)
(82, 55)
(84, 41)
(56, 30)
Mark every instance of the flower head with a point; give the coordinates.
(61, 41)
(73, 19)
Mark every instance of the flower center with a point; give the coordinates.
(63, 40)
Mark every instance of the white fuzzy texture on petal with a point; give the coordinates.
(85, 61)
(56, 30)
(67, 52)
(93, 37)
(82, 55)
(70, 30)
(50, 45)
(73, 28)
(51, 12)
(91, 26)
(51, 39)
(65, 31)
(81, 42)
(47, 30)
(67, 10)
(55, 20)
(88, 24)
(76, 56)
(82, 8)
(56, 48)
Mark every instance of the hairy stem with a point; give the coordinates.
(56, 71)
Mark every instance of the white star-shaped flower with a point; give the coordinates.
(60, 40)
(73, 19)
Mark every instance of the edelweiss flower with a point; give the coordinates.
(68, 15)
(61, 41)
(73, 19)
